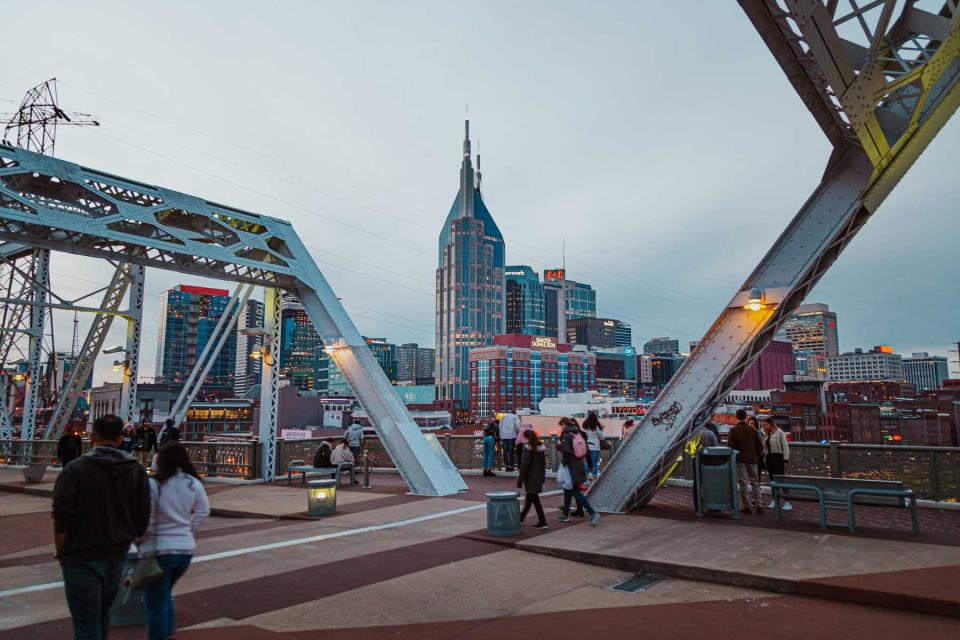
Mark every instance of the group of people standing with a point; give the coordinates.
(103, 502)
(759, 446)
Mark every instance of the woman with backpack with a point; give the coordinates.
(533, 472)
(595, 441)
(574, 452)
(178, 505)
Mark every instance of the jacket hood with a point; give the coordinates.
(116, 461)
(540, 448)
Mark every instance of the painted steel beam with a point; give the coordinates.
(879, 124)
(82, 367)
(129, 408)
(269, 383)
(49, 203)
(41, 258)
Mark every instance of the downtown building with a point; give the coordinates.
(249, 360)
(565, 300)
(470, 286)
(880, 363)
(518, 371)
(926, 371)
(302, 359)
(188, 316)
(598, 333)
(812, 330)
(525, 301)
(658, 346)
(415, 364)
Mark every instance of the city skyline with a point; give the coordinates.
(661, 261)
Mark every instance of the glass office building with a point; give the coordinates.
(469, 286)
(301, 349)
(188, 316)
(525, 301)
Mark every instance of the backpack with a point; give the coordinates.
(579, 446)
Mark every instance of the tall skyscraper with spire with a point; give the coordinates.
(470, 285)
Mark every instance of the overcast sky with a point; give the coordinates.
(660, 139)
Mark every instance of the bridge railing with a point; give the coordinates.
(932, 472)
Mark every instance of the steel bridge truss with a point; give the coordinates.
(51, 204)
(881, 78)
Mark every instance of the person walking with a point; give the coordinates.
(573, 451)
(489, 445)
(533, 473)
(168, 433)
(749, 449)
(595, 440)
(509, 424)
(777, 455)
(69, 447)
(101, 504)
(180, 505)
(627, 428)
(145, 443)
(129, 438)
(354, 436)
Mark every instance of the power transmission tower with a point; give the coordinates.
(37, 119)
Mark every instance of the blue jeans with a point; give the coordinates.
(569, 495)
(507, 444)
(356, 454)
(593, 462)
(157, 598)
(91, 587)
(488, 444)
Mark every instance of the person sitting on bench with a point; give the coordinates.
(341, 454)
(321, 459)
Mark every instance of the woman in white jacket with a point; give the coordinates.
(178, 505)
(776, 454)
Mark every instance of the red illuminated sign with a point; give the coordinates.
(554, 274)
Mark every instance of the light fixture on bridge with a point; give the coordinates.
(112, 350)
(321, 497)
(19, 377)
(262, 354)
(755, 301)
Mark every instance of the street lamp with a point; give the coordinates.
(111, 350)
(755, 302)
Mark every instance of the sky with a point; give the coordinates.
(658, 140)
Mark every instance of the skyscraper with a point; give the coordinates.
(926, 371)
(415, 364)
(812, 330)
(661, 345)
(565, 300)
(469, 282)
(300, 346)
(248, 362)
(188, 316)
(525, 305)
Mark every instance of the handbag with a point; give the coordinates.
(564, 480)
(148, 570)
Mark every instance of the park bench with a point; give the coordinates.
(301, 467)
(845, 493)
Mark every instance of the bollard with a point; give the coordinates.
(366, 469)
(503, 513)
(127, 609)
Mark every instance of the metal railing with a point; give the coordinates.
(932, 472)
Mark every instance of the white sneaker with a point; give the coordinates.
(772, 505)
(787, 506)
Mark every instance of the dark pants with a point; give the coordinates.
(508, 450)
(158, 598)
(91, 587)
(356, 453)
(533, 500)
(569, 495)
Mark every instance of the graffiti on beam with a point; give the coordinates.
(668, 416)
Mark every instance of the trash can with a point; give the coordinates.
(503, 513)
(715, 481)
(127, 609)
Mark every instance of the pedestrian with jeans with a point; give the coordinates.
(145, 443)
(354, 436)
(595, 436)
(101, 504)
(777, 452)
(489, 445)
(180, 505)
(533, 473)
(509, 424)
(574, 452)
(744, 439)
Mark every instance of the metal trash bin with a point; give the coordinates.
(715, 481)
(503, 513)
(127, 609)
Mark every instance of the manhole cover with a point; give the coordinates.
(638, 583)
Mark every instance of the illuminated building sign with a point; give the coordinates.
(550, 275)
(514, 273)
(885, 349)
(541, 342)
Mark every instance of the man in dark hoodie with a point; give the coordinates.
(749, 447)
(101, 503)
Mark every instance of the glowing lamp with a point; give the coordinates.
(328, 348)
(321, 497)
(755, 302)
(255, 355)
(19, 377)
(117, 365)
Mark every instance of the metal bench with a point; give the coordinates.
(299, 466)
(844, 493)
